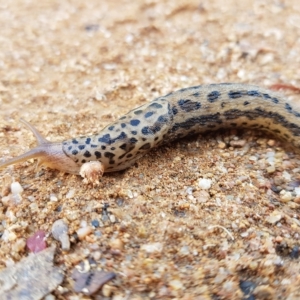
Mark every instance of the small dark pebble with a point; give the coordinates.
(120, 201)
(294, 183)
(276, 189)
(92, 27)
(295, 252)
(58, 208)
(95, 223)
(90, 282)
(179, 213)
(247, 288)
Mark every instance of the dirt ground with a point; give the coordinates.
(207, 217)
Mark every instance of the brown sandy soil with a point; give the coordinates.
(72, 67)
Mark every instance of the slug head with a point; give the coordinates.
(48, 154)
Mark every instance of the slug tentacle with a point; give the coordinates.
(48, 154)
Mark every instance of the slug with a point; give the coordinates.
(187, 111)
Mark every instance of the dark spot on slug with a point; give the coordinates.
(87, 154)
(275, 100)
(254, 93)
(105, 139)
(111, 162)
(135, 122)
(188, 105)
(223, 104)
(235, 94)
(94, 146)
(155, 105)
(70, 148)
(97, 154)
(144, 139)
(123, 125)
(134, 132)
(103, 147)
(129, 155)
(288, 107)
(197, 94)
(246, 103)
(145, 147)
(267, 96)
(156, 138)
(133, 140)
(109, 155)
(149, 114)
(174, 110)
(83, 161)
(88, 140)
(138, 112)
(111, 128)
(123, 118)
(113, 148)
(123, 146)
(213, 96)
(74, 152)
(146, 130)
(162, 119)
(81, 147)
(75, 141)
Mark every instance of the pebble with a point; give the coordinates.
(53, 198)
(83, 232)
(204, 184)
(295, 252)
(16, 188)
(116, 244)
(60, 233)
(285, 196)
(36, 242)
(274, 217)
(95, 223)
(176, 284)
(221, 145)
(152, 248)
(90, 282)
(264, 292)
(70, 194)
(19, 245)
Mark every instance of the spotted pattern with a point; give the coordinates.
(186, 111)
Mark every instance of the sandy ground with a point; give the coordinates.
(72, 67)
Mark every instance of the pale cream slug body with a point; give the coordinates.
(187, 111)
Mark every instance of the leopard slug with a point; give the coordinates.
(187, 111)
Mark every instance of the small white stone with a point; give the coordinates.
(176, 284)
(153, 247)
(83, 232)
(16, 188)
(53, 198)
(70, 194)
(60, 233)
(285, 196)
(274, 217)
(287, 177)
(204, 184)
(112, 218)
(297, 191)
